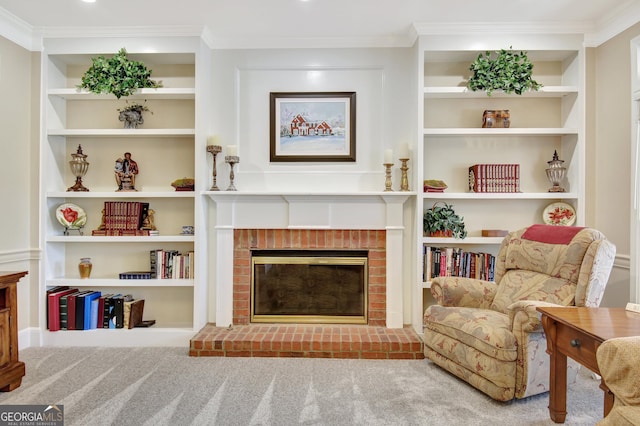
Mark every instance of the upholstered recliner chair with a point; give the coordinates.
(489, 333)
(619, 364)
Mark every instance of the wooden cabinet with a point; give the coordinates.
(11, 368)
(451, 138)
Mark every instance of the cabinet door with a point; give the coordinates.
(5, 337)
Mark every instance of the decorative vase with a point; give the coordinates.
(84, 267)
(556, 173)
(79, 166)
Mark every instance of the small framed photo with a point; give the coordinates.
(312, 126)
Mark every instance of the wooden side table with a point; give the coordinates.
(577, 333)
(11, 369)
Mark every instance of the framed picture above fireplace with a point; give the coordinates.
(312, 126)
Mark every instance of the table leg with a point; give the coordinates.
(558, 387)
(608, 398)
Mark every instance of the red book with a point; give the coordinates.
(53, 304)
(71, 309)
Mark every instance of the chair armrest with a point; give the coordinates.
(464, 292)
(524, 317)
(619, 364)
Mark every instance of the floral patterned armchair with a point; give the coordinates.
(489, 333)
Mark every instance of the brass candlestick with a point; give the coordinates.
(404, 182)
(214, 150)
(79, 167)
(387, 174)
(232, 160)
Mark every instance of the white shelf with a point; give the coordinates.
(121, 132)
(124, 194)
(461, 92)
(530, 131)
(115, 282)
(105, 239)
(465, 241)
(160, 93)
(499, 195)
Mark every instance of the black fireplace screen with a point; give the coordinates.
(309, 288)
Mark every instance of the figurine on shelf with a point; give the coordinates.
(125, 173)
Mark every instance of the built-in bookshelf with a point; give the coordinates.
(451, 139)
(164, 147)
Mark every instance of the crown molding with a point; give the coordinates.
(466, 28)
(119, 32)
(18, 31)
(615, 22)
(308, 42)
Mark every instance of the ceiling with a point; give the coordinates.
(372, 22)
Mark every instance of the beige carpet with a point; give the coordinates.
(164, 386)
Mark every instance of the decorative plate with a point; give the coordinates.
(559, 214)
(71, 216)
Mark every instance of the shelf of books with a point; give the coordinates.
(494, 173)
(122, 208)
(448, 261)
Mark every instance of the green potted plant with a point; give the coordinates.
(441, 220)
(118, 75)
(504, 70)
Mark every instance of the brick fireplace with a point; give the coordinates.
(371, 241)
(370, 221)
(363, 221)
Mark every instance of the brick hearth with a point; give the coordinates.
(307, 341)
(371, 341)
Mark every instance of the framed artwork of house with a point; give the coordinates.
(312, 126)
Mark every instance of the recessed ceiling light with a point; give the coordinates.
(89, 1)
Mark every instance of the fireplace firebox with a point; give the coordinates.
(309, 286)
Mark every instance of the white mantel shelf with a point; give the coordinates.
(309, 210)
(241, 194)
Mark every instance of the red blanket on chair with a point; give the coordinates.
(551, 234)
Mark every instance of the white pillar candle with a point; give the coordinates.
(404, 150)
(232, 150)
(388, 156)
(213, 140)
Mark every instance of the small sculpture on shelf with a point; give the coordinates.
(496, 118)
(125, 172)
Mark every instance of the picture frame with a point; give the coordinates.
(312, 126)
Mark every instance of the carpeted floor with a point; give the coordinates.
(164, 386)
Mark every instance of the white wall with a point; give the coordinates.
(17, 176)
(243, 80)
(609, 153)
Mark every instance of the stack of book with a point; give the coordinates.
(171, 264)
(73, 309)
(455, 262)
(123, 218)
(494, 178)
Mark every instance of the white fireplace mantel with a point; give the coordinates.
(298, 210)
